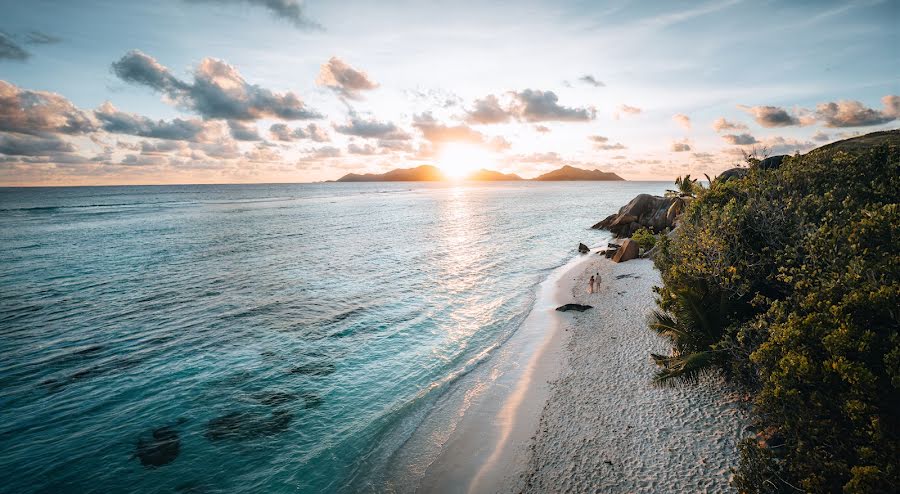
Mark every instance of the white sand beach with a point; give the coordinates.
(605, 427)
(567, 404)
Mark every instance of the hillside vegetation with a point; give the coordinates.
(788, 280)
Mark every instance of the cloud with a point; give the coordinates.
(602, 143)
(262, 154)
(681, 146)
(611, 147)
(541, 158)
(36, 112)
(821, 137)
(855, 114)
(324, 152)
(371, 129)
(543, 129)
(682, 120)
(292, 11)
(721, 125)
(145, 160)
(533, 105)
(10, 50)
(343, 79)
(631, 110)
(488, 111)
(891, 105)
(740, 139)
(703, 157)
(119, 122)
(282, 132)
(589, 79)
(773, 116)
(139, 68)
(438, 133)
(364, 149)
(395, 145)
(243, 132)
(39, 38)
(780, 145)
(217, 91)
(157, 147)
(530, 105)
(32, 145)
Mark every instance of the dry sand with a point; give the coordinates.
(605, 428)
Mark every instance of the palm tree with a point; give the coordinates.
(695, 324)
(685, 187)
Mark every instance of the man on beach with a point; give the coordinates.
(591, 285)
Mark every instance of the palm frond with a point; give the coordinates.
(680, 369)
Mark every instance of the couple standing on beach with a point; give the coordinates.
(594, 283)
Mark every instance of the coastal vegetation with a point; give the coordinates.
(644, 238)
(787, 279)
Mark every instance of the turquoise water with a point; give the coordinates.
(291, 336)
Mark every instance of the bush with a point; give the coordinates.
(644, 238)
(808, 258)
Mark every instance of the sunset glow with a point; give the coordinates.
(458, 160)
(224, 96)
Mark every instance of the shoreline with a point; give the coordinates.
(567, 404)
(479, 434)
(606, 427)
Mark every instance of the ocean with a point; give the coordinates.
(285, 338)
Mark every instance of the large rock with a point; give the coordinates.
(627, 252)
(583, 249)
(731, 173)
(644, 211)
(772, 162)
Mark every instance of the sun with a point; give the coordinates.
(458, 160)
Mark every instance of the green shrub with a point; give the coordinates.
(644, 238)
(808, 258)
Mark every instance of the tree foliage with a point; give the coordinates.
(805, 259)
(685, 187)
(644, 237)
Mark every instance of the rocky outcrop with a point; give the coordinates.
(584, 249)
(578, 307)
(645, 210)
(770, 163)
(610, 250)
(628, 251)
(731, 173)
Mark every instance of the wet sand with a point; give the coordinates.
(481, 431)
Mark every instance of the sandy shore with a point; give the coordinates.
(605, 428)
(566, 405)
(480, 431)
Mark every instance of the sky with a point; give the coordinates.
(97, 92)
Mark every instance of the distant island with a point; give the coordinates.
(571, 173)
(429, 173)
(424, 173)
(491, 175)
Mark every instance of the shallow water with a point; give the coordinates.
(292, 335)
